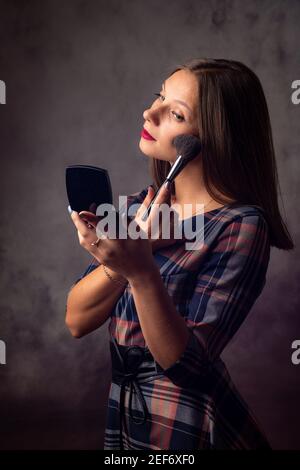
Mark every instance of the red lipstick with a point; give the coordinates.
(146, 135)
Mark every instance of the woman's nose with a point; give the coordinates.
(146, 115)
(150, 115)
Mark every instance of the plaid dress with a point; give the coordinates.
(194, 403)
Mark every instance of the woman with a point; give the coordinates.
(173, 311)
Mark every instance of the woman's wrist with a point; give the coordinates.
(113, 276)
(145, 276)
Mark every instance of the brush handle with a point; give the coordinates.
(148, 210)
(174, 171)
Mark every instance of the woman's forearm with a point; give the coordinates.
(164, 330)
(91, 300)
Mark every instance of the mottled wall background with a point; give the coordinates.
(79, 75)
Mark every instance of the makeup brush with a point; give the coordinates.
(187, 147)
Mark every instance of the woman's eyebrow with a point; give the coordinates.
(180, 101)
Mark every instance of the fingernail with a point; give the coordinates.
(70, 210)
(167, 185)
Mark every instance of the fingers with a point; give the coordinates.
(148, 198)
(146, 202)
(79, 223)
(89, 218)
(161, 197)
(164, 195)
(86, 233)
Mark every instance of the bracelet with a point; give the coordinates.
(112, 279)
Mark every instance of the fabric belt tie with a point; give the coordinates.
(126, 365)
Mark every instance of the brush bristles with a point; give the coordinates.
(188, 146)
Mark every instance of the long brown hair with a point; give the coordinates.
(238, 157)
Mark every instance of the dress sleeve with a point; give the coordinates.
(228, 283)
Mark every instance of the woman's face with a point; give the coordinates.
(172, 113)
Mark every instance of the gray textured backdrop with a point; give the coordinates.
(79, 75)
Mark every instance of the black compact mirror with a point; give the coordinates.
(87, 187)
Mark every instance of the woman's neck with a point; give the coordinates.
(189, 186)
(190, 189)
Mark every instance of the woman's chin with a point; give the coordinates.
(155, 155)
(146, 150)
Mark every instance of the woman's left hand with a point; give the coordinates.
(127, 257)
(131, 257)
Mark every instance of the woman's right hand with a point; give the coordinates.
(163, 197)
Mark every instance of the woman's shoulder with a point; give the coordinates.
(229, 228)
(237, 228)
(235, 210)
(235, 213)
(232, 231)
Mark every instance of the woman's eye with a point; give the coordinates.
(178, 117)
(159, 95)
